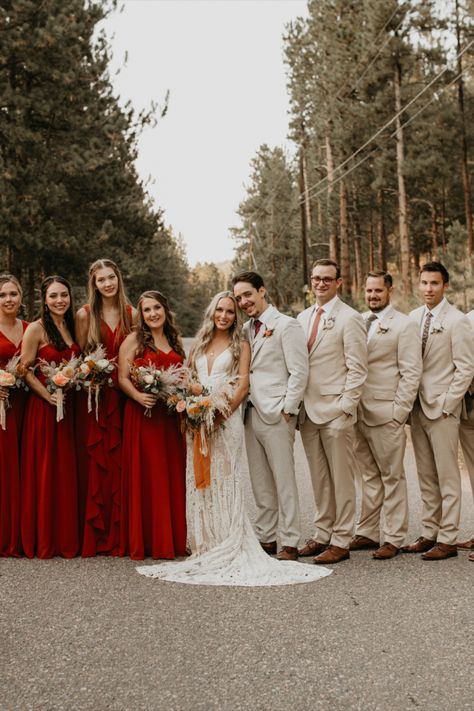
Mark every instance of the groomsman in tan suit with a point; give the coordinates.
(466, 437)
(394, 360)
(336, 342)
(448, 369)
(278, 377)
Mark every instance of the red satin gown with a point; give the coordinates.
(49, 524)
(153, 516)
(104, 465)
(10, 539)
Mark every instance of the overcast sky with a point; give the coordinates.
(222, 61)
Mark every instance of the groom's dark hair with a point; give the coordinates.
(250, 277)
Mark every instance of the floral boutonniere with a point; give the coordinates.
(329, 323)
(268, 332)
(437, 327)
(382, 328)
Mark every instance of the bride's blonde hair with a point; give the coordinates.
(207, 328)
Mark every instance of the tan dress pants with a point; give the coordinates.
(379, 451)
(272, 475)
(436, 452)
(329, 450)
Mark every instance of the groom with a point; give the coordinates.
(278, 376)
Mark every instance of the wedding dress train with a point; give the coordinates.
(225, 548)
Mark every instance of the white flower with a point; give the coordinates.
(329, 323)
(84, 368)
(102, 364)
(149, 379)
(437, 327)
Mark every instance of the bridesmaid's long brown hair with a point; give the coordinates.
(144, 337)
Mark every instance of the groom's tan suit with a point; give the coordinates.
(394, 372)
(337, 371)
(448, 369)
(278, 377)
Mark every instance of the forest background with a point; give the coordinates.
(381, 99)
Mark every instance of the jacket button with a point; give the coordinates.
(251, 372)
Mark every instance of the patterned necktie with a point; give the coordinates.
(256, 327)
(369, 321)
(426, 332)
(314, 330)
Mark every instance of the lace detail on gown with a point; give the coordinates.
(225, 548)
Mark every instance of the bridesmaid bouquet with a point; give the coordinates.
(161, 382)
(60, 378)
(95, 371)
(10, 377)
(200, 406)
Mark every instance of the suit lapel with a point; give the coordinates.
(322, 329)
(261, 338)
(439, 319)
(386, 324)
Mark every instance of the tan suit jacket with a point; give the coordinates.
(278, 367)
(394, 370)
(448, 362)
(337, 364)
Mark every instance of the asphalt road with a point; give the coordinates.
(375, 635)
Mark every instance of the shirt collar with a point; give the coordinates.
(265, 315)
(328, 307)
(381, 314)
(437, 309)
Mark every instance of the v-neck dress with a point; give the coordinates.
(10, 542)
(153, 516)
(104, 467)
(48, 472)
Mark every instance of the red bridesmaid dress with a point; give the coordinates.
(49, 524)
(104, 465)
(10, 539)
(153, 515)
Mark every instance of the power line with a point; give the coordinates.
(389, 123)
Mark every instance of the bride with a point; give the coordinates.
(225, 549)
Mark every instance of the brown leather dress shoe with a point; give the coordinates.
(332, 554)
(440, 551)
(467, 545)
(388, 550)
(471, 557)
(421, 545)
(270, 548)
(312, 547)
(288, 553)
(362, 543)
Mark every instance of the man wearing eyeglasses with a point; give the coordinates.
(337, 347)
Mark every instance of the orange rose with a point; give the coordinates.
(196, 388)
(60, 379)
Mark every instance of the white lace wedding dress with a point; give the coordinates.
(225, 548)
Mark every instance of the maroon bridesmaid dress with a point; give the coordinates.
(104, 466)
(153, 516)
(10, 540)
(49, 524)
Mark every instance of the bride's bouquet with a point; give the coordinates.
(59, 379)
(199, 407)
(95, 371)
(10, 377)
(161, 382)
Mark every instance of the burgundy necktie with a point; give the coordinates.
(256, 327)
(314, 330)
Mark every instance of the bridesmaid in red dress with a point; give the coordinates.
(48, 462)
(11, 334)
(106, 319)
(153, 519)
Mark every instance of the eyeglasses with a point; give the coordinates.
(323, 280)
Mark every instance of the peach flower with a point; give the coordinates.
(60, 379)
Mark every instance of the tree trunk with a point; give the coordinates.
(331, 221)
(434, 231)
(402, 197)
(30, 292)
(370, 235)
(466, 181)
(381, 236)
(305, 214)
(357, 239)
(344, 232)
